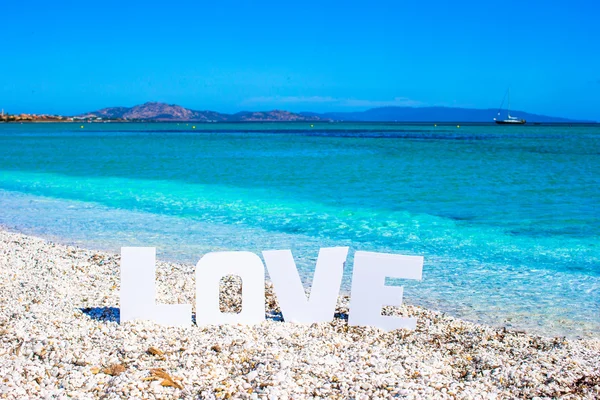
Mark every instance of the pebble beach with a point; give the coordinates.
(60, 337)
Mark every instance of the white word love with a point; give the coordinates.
(368, 294)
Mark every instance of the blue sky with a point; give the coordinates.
(72, 57)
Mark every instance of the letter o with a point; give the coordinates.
(211, 268)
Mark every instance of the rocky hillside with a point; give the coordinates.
(275, 115)
(153, 111)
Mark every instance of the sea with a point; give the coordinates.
(506, 217)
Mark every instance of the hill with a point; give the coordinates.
(275, 115)
(153, 111)
(432, 114)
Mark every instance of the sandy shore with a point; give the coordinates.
(60, 336)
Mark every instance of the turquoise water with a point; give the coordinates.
(508, 218)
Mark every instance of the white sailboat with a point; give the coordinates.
(511, 120)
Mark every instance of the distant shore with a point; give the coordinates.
(60, 336)
(163, 112)
(315, 124)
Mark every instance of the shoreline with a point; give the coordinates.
(321, 123)
(60, 336)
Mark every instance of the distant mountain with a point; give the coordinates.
(112, 112)
(153, 111)
(431, 114)
(275, 115)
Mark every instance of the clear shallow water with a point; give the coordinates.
(508, 218)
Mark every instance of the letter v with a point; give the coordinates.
(294, 305)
